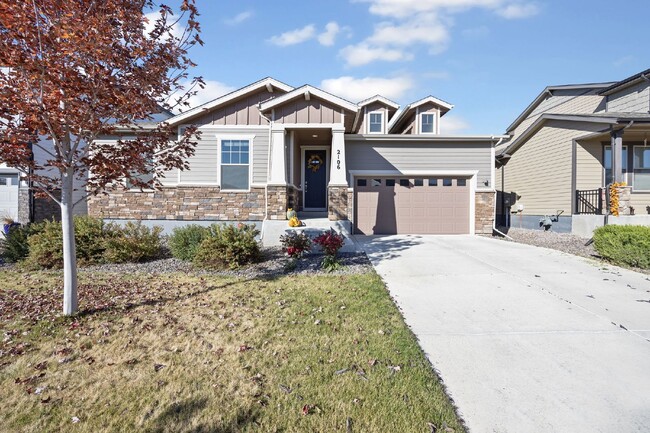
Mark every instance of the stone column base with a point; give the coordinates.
(337, 203)
(624, 199)
(278, 201)
(484, 212)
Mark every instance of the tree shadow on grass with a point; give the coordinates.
(177, 418)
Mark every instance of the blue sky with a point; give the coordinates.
(489, 58)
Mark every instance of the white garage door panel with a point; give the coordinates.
(387, 206)
(9, 195)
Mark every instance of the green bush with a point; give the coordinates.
(89, 236)
(624, 245)
(185, 241)
(14, 246)
(132, 243)
(46, 247)
(228, 246)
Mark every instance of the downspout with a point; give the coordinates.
(268, 169)
(494, 221)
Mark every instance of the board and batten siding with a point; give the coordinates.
(634, 99)
(203, 164)
(243, 111)
(540, 170)
(312, 111)
(414, 156)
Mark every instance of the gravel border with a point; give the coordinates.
(565, 242)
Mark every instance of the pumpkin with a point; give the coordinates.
(294, 222)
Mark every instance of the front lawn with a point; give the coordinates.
(206, 353)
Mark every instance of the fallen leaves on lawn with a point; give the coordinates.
(244, 348)
(158, 367)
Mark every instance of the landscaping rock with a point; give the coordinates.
(565, 242)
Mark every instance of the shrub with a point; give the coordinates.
(295, 244)
(331, 242)
(46, 247)
(185, 241)
(228, 246)
(89, 237)
(624, 245)
(14, 246)
(133, 243)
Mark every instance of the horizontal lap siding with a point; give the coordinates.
(634, 99)
(203, 165)
(540, 170)
(420, 156)
(589, 165)
(640, 201)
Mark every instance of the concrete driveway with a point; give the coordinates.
(526, 339)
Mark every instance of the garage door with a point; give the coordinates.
(412, 205)
(9, 195)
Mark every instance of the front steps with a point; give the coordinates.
(313, 226)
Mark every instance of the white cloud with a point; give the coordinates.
(328, 37)
(362, 54)
(358, 89)
(410, 23)
(239, 18)
(453, 125)
(294, 36)
(177, 30)
(213, 89)
(518, 10)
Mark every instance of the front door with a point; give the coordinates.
(315, 179)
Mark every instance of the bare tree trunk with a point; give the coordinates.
(70, 302)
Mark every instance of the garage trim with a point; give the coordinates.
(471, 174)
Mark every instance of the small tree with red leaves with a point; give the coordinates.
(74, 71)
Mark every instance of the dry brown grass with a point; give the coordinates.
(181, 353)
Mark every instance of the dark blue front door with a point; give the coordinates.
(315, 179)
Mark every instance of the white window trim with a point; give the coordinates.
(634, 168)
(220, 139)
(626, 171)
(383, 122)
(435, 122)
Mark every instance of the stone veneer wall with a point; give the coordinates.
(278, 200)
(23, 205)
(484, 208)
(180, 203)
(337, 203)
(350, 204)
(624, 199)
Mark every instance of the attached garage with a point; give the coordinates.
(9, 184)
(412, 205)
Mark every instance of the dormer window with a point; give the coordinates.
(427, 123)
(376, 122)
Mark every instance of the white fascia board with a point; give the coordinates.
(434, 100)
(379, 98)
(438, 139)
(229, 97)
(301, 91)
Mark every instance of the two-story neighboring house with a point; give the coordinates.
(567, 146)
(269, 146)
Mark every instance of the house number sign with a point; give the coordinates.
(338, 159)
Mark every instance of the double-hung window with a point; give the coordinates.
(235, 164)
(427, 123)
(642, 168)
(376, 122)
(609, 176)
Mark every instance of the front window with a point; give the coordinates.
(642, 168)
(235, 156)
(609, 176)
(428, 126)
(376, 122)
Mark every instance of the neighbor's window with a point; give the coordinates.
(427, 123)
(609, 177)
(142, 177)
(235, 164)
(642, 168)
(376, 122)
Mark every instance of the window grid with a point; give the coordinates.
(427, 123)
(375, 122)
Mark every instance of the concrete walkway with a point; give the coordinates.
(526, 339)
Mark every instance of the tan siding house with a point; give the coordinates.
(559, 158)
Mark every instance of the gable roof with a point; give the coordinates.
(267, 82)
(608, 120)
(378, 98)
(401, 114)
(548, 91)
(306, 91)
(629, 81)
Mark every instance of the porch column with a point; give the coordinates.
(617, 156)
(338, 172)
(278, 172)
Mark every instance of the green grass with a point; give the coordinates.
(236, 356)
